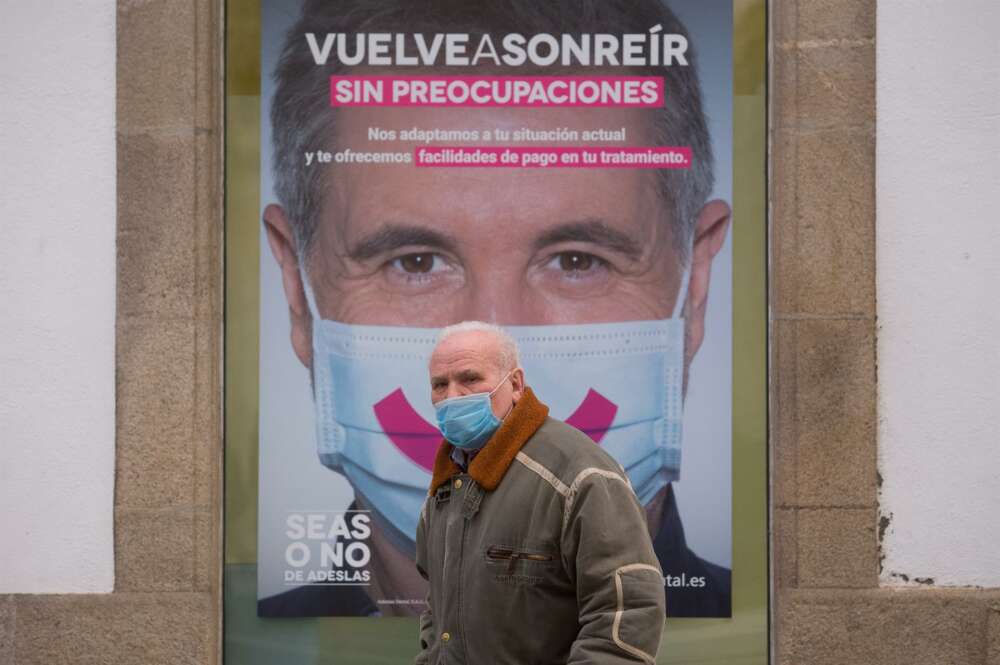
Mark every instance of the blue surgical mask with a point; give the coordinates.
(468, 421)
(621, 383)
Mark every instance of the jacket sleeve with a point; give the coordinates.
(619, 583)
(426, 617)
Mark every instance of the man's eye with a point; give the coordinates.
(420, 272)
(417, 264)
(577, 261)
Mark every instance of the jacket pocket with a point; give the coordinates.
(508, 557)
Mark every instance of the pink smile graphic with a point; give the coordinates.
(418, 439)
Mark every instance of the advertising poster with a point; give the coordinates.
(564, 170)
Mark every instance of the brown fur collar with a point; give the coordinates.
(490, 464)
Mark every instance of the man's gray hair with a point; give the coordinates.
(509, 358)
(302, 119)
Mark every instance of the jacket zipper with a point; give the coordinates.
(507, 554)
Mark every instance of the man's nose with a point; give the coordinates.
(501, 299)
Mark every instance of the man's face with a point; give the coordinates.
(428, 247)
(468, 362)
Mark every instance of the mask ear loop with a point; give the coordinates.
(497, 386)
(506, 376)
(314, 311)
(310, 296)
(682, 293)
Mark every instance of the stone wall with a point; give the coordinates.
(827, 606)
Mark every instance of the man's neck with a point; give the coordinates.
(654, 511)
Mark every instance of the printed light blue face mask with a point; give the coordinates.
(468, 421)
(621, 383)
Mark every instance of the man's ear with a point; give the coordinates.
(710, 232)
(517, 382)
(282, 242)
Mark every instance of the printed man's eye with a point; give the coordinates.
(417, 264)
(575, 272)
(576, 262)
(420, 272)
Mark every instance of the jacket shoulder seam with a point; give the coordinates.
(544, 473)
(574, 487)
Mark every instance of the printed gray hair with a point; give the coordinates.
(302, 119)
(509, 358)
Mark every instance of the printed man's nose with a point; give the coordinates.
(502, 303)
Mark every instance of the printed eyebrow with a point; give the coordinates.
(593, 231)
(394, 236)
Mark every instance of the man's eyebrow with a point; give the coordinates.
(394, 236)
(593, 231)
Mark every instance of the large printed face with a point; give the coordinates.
(428, 247)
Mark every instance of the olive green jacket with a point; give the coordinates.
(538, 554)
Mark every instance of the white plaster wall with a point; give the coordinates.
(57, 295)
(938, 285)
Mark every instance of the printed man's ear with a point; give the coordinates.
(282, 242)
(710, 232)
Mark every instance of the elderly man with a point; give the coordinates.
(531, 538)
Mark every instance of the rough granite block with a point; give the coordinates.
(784, 530)
(155, 464)
(115, 629)
(825, 425)
(156, 225)
(825, 87)
(837, 547)
(807, 21)
(918, 627)
(157, 64)
(823, 231)
(993, 635)
(8, 619)
(154, 550)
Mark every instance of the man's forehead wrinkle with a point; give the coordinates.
(467, 350)
(461, 368)
(337, 210)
